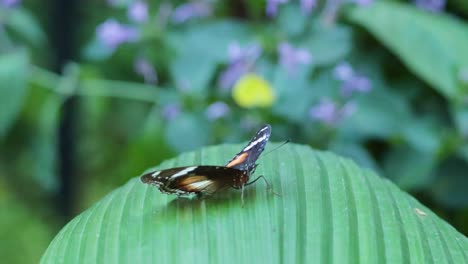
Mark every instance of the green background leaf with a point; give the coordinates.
(26, 26)
(194, 64)
(329, 45)
(450, 183)
(179, 139)
(21, 224)
(13, 74)
(330, 211)
(433, 47)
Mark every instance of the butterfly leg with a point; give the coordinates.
(242, 195)
(269, 186)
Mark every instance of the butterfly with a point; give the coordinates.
(205, 179)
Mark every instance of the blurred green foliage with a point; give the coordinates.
(411, 126)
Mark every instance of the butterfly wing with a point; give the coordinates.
(209, 179)
(195, 179)
(246, 158)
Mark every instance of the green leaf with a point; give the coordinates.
(209, 39)
(433, 46)
(200, 48)
(460, 116)
(329, 211)
(193, 72)
(149, 146)
(382, 113)
(13, 88)
(44, 144)
(329, 44)
(424, 134)
(294, 94)
(449, 187)
(22, 22)
(410, 168)
(22, 229)
(187, 132)
(291, 20)
(356, 152)
(95, 50)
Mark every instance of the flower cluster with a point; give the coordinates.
(138, 12)
(9, 3)
(217, 110)
(290, 58)
(145, 69)
(431, 5)
(272, 6)
(351, 81)
(362, 2)
(113, 34)
(241, 61)
(171, 111)
(196, 9)
(332, 112)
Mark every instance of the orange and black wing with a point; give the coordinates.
(245, 160)
(194, 180)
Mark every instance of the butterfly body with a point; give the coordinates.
(206, 179)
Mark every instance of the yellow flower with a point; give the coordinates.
(253, 91)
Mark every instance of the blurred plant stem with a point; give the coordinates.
(69, 84)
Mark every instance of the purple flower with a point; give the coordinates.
(351, 81)
(232, 73)
(241, 60)
(358, 83)
(290, 57)
(325, 111)
(250, 52)
(463, 75)
(330, 112)
(111, 33)
(308, 5)
(9, 3)
(191, 10)
(235, 51)
(144, 68)
(217, 110)
(430, 5)
(343, 71)
(171, 111)
(112, 3)
(272, 7)
(138, 12)
(363, 2)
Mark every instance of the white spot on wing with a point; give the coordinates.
(184, 171)
(155, 174)
(253, 143)
(201, 184)
(263, 129)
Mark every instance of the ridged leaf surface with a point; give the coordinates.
(329, 211)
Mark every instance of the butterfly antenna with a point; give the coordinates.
(282, 144)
